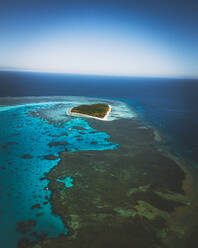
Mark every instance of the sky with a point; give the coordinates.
(157, 38)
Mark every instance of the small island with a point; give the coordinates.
(97, 111)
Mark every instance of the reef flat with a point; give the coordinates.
(139, 195)
(33, 133)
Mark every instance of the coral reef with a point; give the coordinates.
(135, 196)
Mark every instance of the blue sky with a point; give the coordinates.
(132, 38)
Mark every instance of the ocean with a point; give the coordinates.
(170, 105)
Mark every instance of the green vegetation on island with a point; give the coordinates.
(96, 110)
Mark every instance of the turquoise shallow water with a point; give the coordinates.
(25, 140)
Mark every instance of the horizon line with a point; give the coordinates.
(100, 75)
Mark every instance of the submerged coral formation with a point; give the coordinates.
(68, 181)
(136, 196)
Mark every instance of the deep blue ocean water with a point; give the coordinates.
(169, 104)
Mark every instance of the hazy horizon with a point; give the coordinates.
(99, 75)
(124, 38)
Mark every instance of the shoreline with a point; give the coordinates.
(105, 118)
